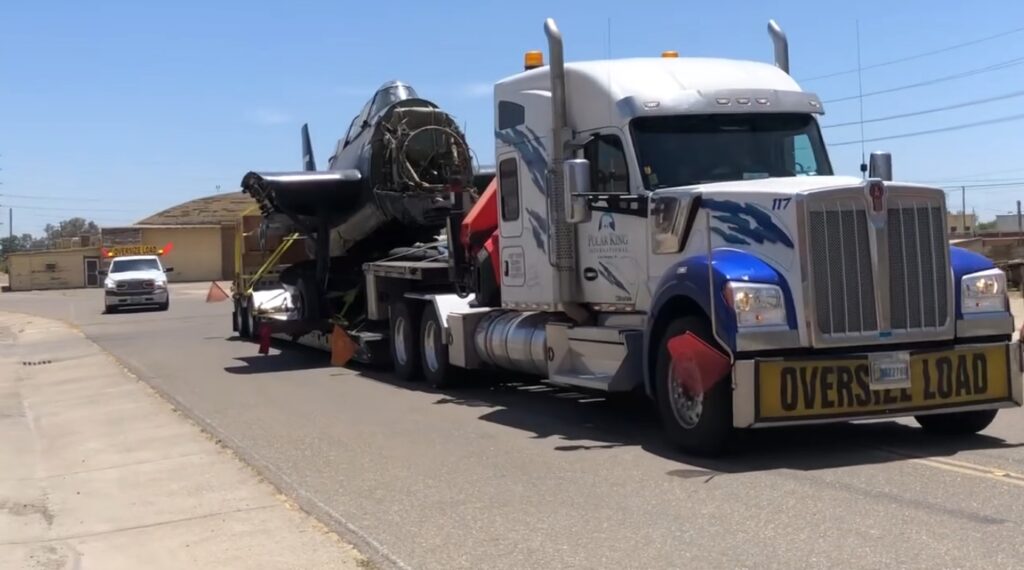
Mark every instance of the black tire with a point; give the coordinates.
(245, 328)
(236, 317)
(437, 370)
(164, 306)
(309, 298)
(109, 310)
(710, 429)
(957, 423)
(404, 340)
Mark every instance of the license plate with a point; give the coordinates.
(890, 370)
(137, 299)
(885, 383)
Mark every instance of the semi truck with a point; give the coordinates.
(664, 225)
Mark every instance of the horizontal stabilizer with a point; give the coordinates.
(333, 193)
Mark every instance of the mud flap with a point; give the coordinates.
(696, 365)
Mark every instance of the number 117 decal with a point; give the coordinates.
(781, 203)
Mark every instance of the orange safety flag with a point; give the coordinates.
(342, 347)
(216, 293)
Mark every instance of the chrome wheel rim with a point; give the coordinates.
(429, 346)
(686, 407)
(400, 355)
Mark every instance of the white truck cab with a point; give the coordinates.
(136, 281)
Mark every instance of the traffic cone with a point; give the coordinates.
(342, 347)
(216, 293)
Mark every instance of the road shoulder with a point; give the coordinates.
(100, 472)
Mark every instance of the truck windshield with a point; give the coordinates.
(683, 150)
(123, 265)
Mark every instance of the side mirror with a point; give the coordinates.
(168, 269)
(102, 272)
(576, 173)
(880, 166)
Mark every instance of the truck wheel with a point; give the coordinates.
(309, 302)
(405, 345)
(957, 423)
(698, 423)
(434, 355)
(164, 306)
(236, 317)
(245, 328)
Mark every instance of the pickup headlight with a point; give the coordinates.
(756, 304)
(159, 285)
(983, 292)
(109, 284)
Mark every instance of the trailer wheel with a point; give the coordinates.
(405, 345)
(957, 423)
(236, 317)
(245, 317)
(308, 303)
(698, 423)
(436, 367)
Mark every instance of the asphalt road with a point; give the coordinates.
(525, 476)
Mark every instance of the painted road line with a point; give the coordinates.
(964, 467)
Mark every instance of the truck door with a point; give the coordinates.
(611, 244)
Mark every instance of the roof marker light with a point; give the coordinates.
(670, 53)
(533, 59)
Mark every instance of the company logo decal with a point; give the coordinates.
(607, 240)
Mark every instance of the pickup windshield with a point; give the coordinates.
(683, 150)
(125, 265)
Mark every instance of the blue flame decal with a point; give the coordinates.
(538, 227)
(745, 223)
(531, 148)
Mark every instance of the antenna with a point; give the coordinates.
(611, 108)
(860, 100)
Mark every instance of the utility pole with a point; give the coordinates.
(963, 209)
(1020, 229)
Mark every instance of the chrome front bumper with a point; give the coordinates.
(135, 298)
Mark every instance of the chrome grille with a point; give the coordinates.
(841, 269)
(919, 276)
(135, 285)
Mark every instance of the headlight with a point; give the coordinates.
(110, 284)
(983, 292)
(160, 285)
(756, 304)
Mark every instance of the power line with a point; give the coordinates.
(927, 111)
(30, 197)
(915, 56)
(20, 207)
(969, 73)
(1005, 119)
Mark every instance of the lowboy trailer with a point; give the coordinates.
(664, 225)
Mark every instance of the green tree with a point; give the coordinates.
(72, 227)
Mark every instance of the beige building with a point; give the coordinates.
(197, 238)
(961, 224)
(54, 269)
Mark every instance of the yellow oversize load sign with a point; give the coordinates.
(125, 250)
(817, 389)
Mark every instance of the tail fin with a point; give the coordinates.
(308, 162)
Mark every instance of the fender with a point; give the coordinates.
(964, 262)
(688, 279)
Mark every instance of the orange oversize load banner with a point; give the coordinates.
(788, 390)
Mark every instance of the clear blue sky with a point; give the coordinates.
(136, 106)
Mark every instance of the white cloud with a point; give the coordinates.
(269, 117)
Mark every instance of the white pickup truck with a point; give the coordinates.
(136, 281)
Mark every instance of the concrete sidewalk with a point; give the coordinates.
(97, 471)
